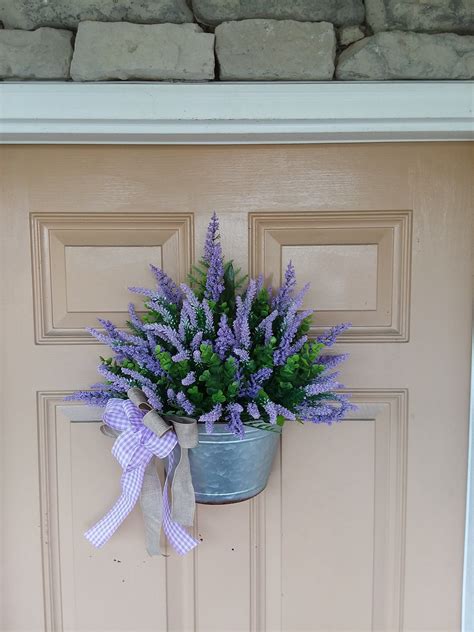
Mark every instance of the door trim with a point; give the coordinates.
(235, 113)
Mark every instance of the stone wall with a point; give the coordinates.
(236, 40)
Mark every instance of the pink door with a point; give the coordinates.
(361, 527)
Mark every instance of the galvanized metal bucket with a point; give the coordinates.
(226, 469)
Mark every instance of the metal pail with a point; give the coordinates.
(226, 469)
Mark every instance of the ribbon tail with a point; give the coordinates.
(151, 503)
(106, 527)
(182, 492)
(177, 535)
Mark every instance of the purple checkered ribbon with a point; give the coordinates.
(135, 447)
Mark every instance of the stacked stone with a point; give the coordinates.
(232, 40)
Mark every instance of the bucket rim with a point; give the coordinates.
(224, 431)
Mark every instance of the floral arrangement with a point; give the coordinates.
(223, 349)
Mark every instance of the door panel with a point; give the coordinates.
(361, 527)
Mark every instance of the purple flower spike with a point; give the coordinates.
(120, 384)
(266, 326)
(91, 398)
(185, 404)
(323, 385)
(144, 381)
(271, 410)
(253, 411)
(283, 296)
(153, 398)
(328, 338)
(284, 412)
(166, 286)
(211, 417)
(211, 238)
(214, 260)
(134, 319)
(235, 422)
(256, 382)
(144, 291)
(225, 337)
(189, 379)
(330, 361)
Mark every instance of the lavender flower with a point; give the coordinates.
(214, 261)
(235, 422)
(152, 294)
(109, 327)
(266, 326)
(91, 398)
(189, 315)
(294, 348)
(196, 341)
(225, 337)
(209, 316)
(284, 412)
(253, 411)
(242, 354)
(134, 320)
(256, 382)
(330, 361)
(101, 337)
(271, 411)
(189, 379)
(138, 377)
(168, 334)
(328, 338)
(185, 404)
(215, 275)
(323, 384)
(282, 298)
(292, 323)
(167, 316)
(143, 357)
(299, 298)
(211, 237)
(325, 412)
(166, 286)
(119, 383)
(241, 324)
(153, 399)
(211, 417)
(191, 297)
(180, 356)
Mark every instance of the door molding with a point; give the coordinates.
(241, 113)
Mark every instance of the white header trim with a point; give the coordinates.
(235, 112)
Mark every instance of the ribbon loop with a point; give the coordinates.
(142, 435)
(155, 422)
(138, 397)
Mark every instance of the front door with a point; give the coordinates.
(361, 527)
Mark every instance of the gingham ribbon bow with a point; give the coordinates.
(143, 434)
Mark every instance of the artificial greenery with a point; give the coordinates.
(223, 349)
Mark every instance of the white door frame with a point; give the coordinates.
(213, 113)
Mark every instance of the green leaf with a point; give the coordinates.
(218, 398)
